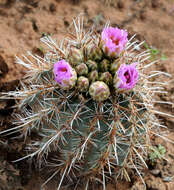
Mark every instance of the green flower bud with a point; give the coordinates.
(82, 84)
(76, 56)
(82, 69)
(92, 65)
(115, 66)
(104, 65)
(93, 76)
(99, 91)
(106, 77)
(96, 53)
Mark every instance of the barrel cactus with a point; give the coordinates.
(91, 102)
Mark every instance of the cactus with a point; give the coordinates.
(95, 128)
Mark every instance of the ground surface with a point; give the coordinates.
(23, 22)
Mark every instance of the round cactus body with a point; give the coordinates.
(98, 125)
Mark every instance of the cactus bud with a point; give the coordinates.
(106, 77)
(92, 65)
(76, 56)
(115, 66)
(93, 76)
(104, 65)
(82, 84)
(96, 53)
(99, 91)
(82, 69)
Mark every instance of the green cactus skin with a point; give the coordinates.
(86, 140)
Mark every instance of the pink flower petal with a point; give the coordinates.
(62, 72)
(114, 40)
(128, 76)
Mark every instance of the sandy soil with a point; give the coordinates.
(23, 22)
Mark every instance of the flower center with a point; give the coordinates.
(115, 41)
(127, 76)
(63, 69)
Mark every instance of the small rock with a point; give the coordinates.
(155, 172)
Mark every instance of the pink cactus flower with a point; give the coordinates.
(64, 74)
(128, 76)
(114, 40)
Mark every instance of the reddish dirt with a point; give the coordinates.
(23, 22)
